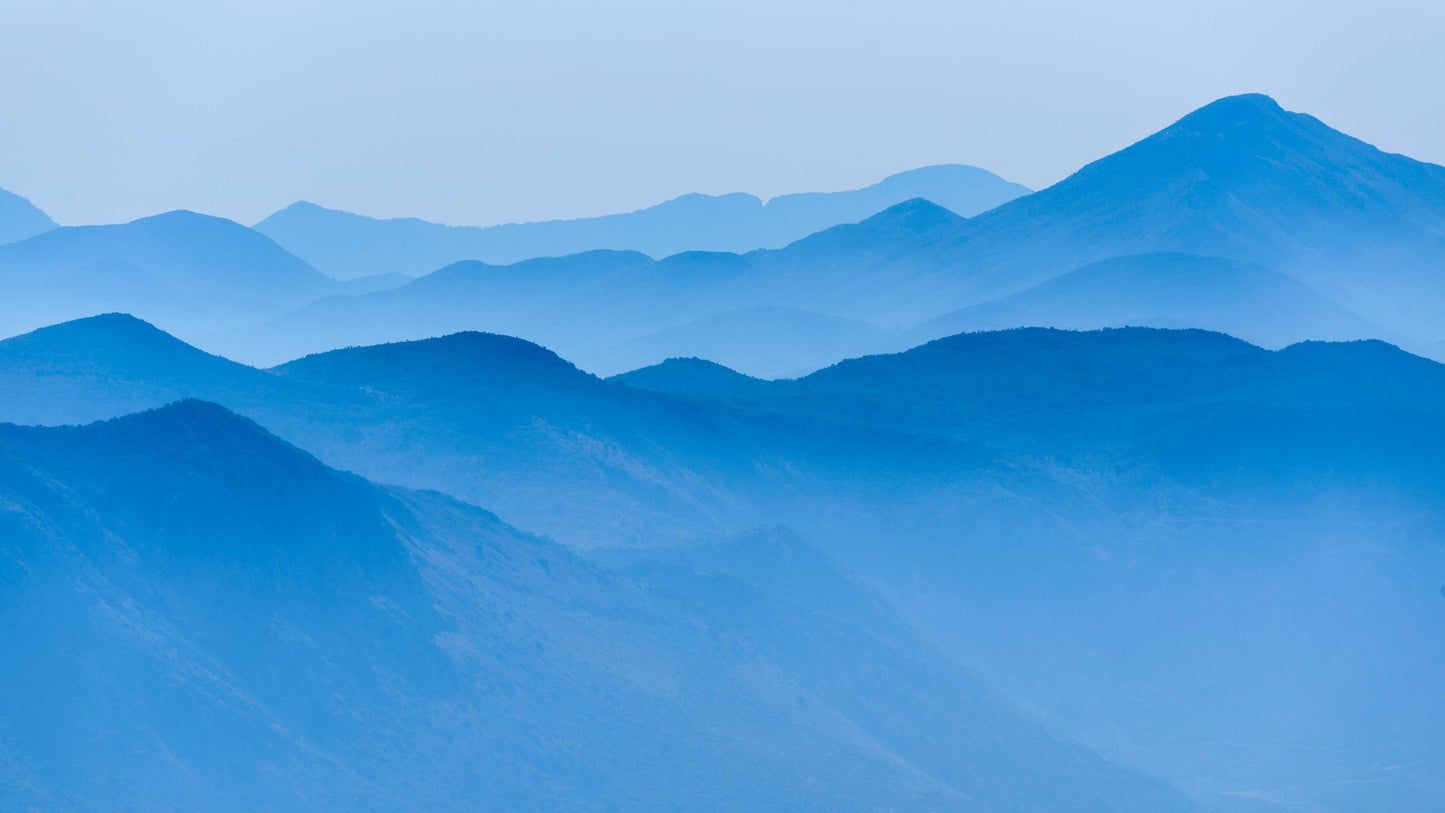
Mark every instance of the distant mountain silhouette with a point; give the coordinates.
(19, 218)
(1043, 502)
(201, 616)
(114, 364)
(1239, 178)
(1260, 306)
(345, 245)
(194, 273)
(603, 308)
(1359, 233)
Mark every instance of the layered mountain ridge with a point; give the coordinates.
(1343, 241)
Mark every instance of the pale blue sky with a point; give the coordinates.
(497, 111)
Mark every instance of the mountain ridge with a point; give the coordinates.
(193, 272)
(731, 222)
(20, 219)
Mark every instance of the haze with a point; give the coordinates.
(512, 111)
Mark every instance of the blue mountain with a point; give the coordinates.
(1240, 178)
(200, 616)
(465, 397)
(19, 218)
(766, 341)
(194, 273)
(345, 245)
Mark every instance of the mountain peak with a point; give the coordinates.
(693, 377)
(913, 216)
(192, 413)
(21, 219)
(106, 331)
(185, 218)
(196, 430)
(467, 357)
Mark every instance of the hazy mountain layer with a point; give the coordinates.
(1260, 306)
(19, 218)
(194, 273)
(345, 245)
(1237, 563)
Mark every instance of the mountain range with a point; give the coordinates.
(1237, 207)
(1098, 522)
(347, 246)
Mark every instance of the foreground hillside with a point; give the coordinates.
(200, 616)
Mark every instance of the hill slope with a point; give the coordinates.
(201, 616)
